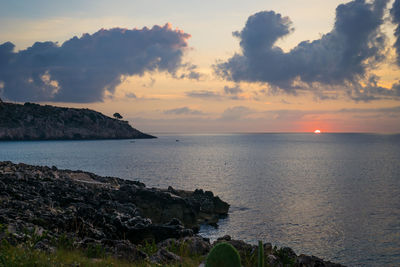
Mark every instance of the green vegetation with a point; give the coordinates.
(149, 247)
(283, 256)
(180, 248)
(260, 254)
(223, 255)
(117, 116)
(95, 256)
(20, 256)
(64, 253)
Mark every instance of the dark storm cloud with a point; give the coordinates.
(395, 12)
(183, 111)
(83, 69)
(338, 59)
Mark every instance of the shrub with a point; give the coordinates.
(95, 251)
(149, 247)
(284, 257)
(223, 255)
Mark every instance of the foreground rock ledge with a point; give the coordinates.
(114, 213)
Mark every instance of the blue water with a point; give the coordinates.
(336, 196)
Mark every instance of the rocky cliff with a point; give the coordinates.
(37, 122)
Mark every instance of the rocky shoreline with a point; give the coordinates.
(47, 204)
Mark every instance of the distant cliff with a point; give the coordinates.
(36, 122)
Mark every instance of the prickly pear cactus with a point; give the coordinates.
(223, 255)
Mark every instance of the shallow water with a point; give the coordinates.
(336, 196)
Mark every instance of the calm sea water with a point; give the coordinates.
(336, 196)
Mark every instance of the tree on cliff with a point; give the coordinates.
(117, 116)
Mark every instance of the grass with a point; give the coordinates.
(66, 255)
(19, 256)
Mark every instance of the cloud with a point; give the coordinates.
(226, 93)
(233, 91)
(183, 111)
(84, 69)
(235, 113)
(131, 95)
(339, 60)
(395, 12)
(203, 94)
(190, 72)
(388, 110)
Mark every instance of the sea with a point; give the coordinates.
(335, 196)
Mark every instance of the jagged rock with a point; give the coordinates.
(36, 122)
(194, 245)
(276, 257)
(267, 248)
(84, 210)
(91, 206)
(224, 238)
(44, 245)
(164, 256)
(312, 261)
(288, 252)
(123, 249)
(197, 245)
(272, 260)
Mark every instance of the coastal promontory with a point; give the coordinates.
(44, 122)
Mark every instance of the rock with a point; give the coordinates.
(163, 256)
(267, 248)
(123, 249)
(279, 258)
(289, 253)
(91, 206)
(224, 238)
(197, 245)
(312, 261)
(273, 261)
(44, 246)
(194, 245)
(80, 209)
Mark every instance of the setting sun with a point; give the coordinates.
(317, 131)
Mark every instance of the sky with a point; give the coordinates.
(209, 66)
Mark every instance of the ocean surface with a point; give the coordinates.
(335, 196)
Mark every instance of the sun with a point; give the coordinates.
(317, 131)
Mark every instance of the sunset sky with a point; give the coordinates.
(209, 66)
